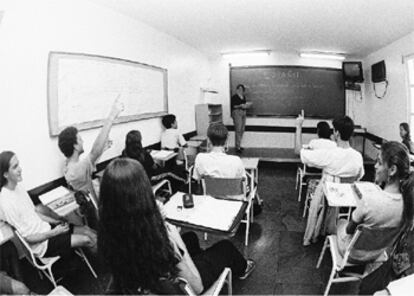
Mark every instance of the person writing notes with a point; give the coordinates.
(238, 113)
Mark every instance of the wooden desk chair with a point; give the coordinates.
(231, 188)
(160, 185)
(44, 264)
(365, 239)
(303, 173)
(312, 185)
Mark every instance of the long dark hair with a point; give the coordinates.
(406, 127)
(394, 153)
(133, 146)
(132, 237)
(5, 158)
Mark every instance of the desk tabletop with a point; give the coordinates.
(163, 155)
(250, 162)
(339, 194)
(194, 143)
(199, 138)
(209, 214)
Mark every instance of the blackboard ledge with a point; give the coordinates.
(286, 116)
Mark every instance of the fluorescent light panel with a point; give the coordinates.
(246, 54)
(322, 55)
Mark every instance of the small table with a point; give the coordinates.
(209, 214)
(251, 165)
(162, 156)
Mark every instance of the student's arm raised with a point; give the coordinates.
(100, 142)
(298, 133)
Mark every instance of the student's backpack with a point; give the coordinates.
(87, 209)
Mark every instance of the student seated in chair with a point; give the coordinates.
(133, 149)
(406, 137)
(78, 172)
(171, 138)
(342, 161)
(143, 251)
(322, 142)
(46, 236)
(217, 163)
(394, 208)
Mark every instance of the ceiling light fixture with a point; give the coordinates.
(246, 54)
(322, 55)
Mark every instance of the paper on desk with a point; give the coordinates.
(53, 195)
(61, 200)
(161, 153)
(207, 211)
(367, 189)
(339, 194)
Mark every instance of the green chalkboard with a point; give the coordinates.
(286, 90)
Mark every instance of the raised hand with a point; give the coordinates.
(117, 108)
(300, 119)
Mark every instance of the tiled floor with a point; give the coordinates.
(284, 266)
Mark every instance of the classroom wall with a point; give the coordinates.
(30, 29)
(384, 115)
(221, 82)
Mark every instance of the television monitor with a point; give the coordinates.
(352, 72)
(378, 73)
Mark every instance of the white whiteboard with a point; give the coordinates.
(82, 88)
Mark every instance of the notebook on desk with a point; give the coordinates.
(61, 200)
(346, 195)
(162, 154)
(208, 212)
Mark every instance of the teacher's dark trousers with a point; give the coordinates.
(239, 118)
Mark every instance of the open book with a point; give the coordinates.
(61, 200)
(346, 195)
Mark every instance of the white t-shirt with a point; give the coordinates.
(19, 211)
(218, 164)
(321, 143)
(344, 162)
(172, 139)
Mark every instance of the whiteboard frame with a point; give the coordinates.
(52, 91)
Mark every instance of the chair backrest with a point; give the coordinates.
(369, 243)
(189, 158)
(311, 170)
(226, 188)
(27, 250)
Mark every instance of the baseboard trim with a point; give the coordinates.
(279, 129)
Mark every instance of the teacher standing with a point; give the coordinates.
(238, 113)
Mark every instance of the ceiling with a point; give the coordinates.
(353, 27)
